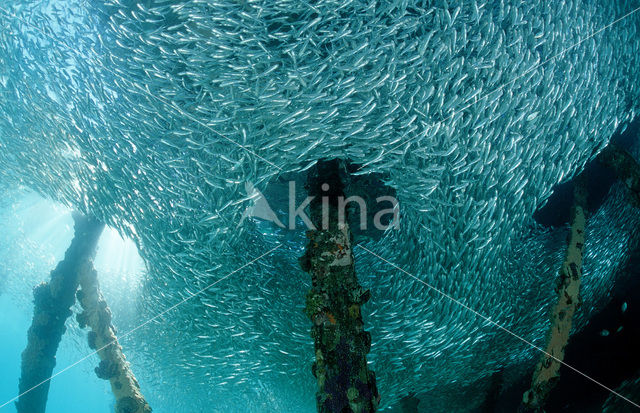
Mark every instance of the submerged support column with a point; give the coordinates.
(113, 365)
(625, 167)
(493, 394)
(52, 303)
(547, 371)
(345, 383)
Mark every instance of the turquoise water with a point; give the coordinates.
(157, 116)
(35, 235)
(75, 391)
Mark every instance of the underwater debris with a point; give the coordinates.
(52, 303)
(547, 371)
(344, 380)
(113, 365)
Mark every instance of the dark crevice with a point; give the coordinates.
(555, 213)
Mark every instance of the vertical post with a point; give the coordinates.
(624, 166)
(547, 371)
(345, 383)
(113, 365)
(52, 303)
(493, 393)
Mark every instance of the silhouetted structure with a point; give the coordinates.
(52, 303)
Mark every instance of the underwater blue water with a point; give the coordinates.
(34, 234)
(71, 392)
(154, 115)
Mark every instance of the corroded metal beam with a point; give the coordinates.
(102, 338)
(345, 383)
(52, 303)
(547, 371)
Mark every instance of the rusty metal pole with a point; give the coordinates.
(52, 303)
(547, 371)
(345, 383)
(102, 338)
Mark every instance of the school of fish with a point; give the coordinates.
(153, 115)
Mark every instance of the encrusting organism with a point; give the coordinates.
(344, 381)
(52, 306)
